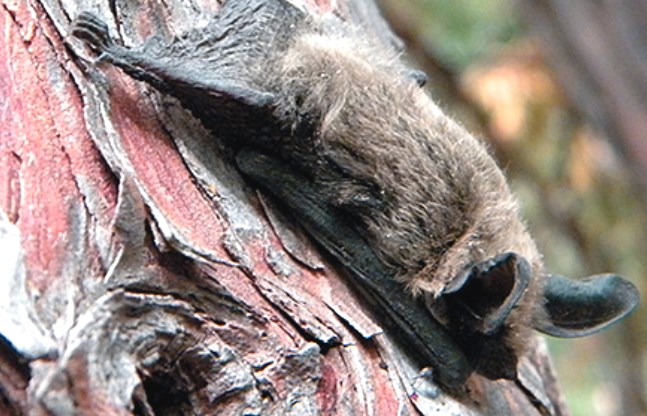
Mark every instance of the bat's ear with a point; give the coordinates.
(487, 292)
(576, 308)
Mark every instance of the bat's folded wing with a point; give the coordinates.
(411, 322)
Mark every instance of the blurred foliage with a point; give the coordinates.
(574, 188)
(461, 31)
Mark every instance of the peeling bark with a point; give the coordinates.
(145, 277)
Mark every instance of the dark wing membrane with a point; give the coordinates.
(212, 70)
(415, 326)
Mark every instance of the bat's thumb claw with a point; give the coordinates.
(93, 31)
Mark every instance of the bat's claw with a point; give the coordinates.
(94, 32)
(424, 385)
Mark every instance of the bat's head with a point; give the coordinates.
(488, 284)
(491, 306)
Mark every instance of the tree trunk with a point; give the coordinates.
(141, 275)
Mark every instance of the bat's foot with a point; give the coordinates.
(94, 32)
(423, 384)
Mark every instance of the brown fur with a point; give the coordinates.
(446, 203)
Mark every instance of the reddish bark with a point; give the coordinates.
(148, 278)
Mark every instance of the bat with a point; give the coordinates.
(333, 126)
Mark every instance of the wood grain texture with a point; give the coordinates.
(146, 276)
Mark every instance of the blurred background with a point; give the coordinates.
(559, 90)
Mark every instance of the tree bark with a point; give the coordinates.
(141, 275)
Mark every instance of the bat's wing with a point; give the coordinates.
(214, 70)
(209, 69)
(412, 322)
